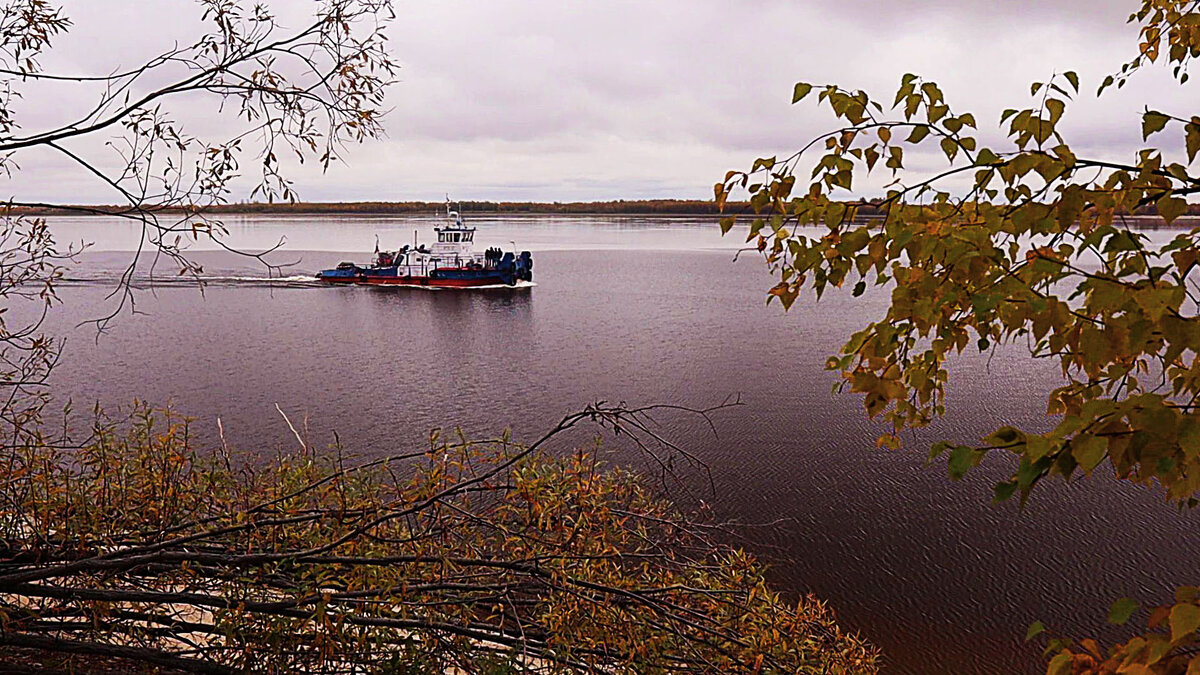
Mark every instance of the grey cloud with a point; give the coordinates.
(590, 100)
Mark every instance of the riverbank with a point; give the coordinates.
(667, 207)
(620, 207)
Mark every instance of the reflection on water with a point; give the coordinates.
(930, 570)
(341, 235)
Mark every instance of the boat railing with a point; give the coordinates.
(422, 264)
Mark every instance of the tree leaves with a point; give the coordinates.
(1153, 122)
(918, 133)
(1192, 138)
(801, 90)
(1121, 610)
(1073, 79)
(1185, 619)
(456, 556)
(962, 459)
(950, 288)
(949, 147)
(1056, 108)
(1089, 451)
(1171, 207)
(1059, 665)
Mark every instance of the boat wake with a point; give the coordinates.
(299, 280)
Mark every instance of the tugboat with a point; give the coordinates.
(450, 263)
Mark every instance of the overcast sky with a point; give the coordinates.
(551, 100)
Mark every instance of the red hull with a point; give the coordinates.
(413, 281)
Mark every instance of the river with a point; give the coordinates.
(641, 310)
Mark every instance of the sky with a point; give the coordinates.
(578, 101)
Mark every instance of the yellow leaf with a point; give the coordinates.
(1060, 664)
(1089, 451)
(1153, 122)
(1157, 301)
(1192, 140)
(1171, 208)
(1185, 619)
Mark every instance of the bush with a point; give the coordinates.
(489, 556)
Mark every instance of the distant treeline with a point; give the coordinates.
(664, 207)
(681, 207)
(652, 207)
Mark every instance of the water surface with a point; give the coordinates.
(643, 310)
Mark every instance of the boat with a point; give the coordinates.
(451, 262)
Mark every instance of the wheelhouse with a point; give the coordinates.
(454, 235)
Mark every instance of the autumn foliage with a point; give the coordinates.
(487, 556)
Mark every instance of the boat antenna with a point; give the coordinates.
(377, 243)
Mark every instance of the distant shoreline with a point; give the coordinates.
(650, 207)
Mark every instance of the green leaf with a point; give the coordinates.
(949, 147)
(1185, 619)
(800, 91)
(1002, 492)
(1064, 153)
(962, 459)
(986, 156)
(1073, 79)
(1035, 629)
(1056, 108)
(1089, 451)
(1152, 123)
(1157, 301)
(871, 156)
(1192, 139)
(1171, 208)
(1121, 610)
(1005, 435)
